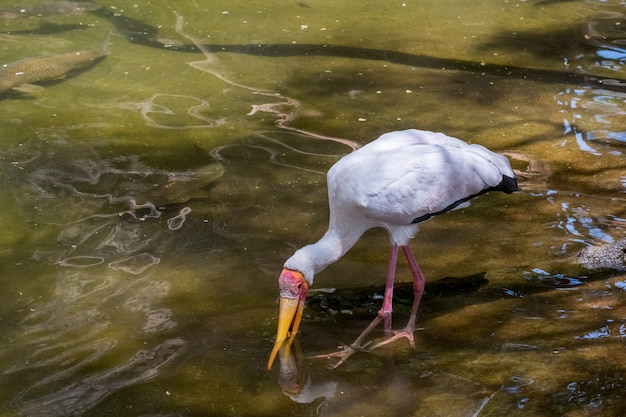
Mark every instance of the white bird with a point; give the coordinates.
(395, 182)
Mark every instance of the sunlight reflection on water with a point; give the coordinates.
(597, 112)
(594, 114)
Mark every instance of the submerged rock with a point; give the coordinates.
(611, 255)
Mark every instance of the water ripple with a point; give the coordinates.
(176, 222)
(135, 264)
(77, 397)
(81, 261)
(166, 117)
(594, 118)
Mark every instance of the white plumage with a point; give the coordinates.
(394, 182)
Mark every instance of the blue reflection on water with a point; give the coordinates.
(579, 222)
(558, 280)
(596, 334)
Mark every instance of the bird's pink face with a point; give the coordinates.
(293, 289)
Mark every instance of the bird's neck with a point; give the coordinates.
(311, 259)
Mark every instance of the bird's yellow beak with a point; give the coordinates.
(293, 291)
(289, 317)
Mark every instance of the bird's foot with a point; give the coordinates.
(407, 333)
(343, 354)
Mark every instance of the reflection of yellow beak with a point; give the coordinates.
(289, 317)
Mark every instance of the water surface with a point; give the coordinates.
(119, 301)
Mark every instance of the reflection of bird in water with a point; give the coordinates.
(395, 182)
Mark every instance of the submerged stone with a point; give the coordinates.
(611, 255)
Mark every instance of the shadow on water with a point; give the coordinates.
(543, 44)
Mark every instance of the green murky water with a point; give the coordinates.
(118, 299)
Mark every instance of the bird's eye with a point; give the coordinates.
(299, 285)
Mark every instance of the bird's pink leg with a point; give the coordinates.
(418, 290)
(384, 314)
(385, 311)
(387, 307)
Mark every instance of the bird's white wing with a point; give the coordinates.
(400, 139)
(399, 184)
